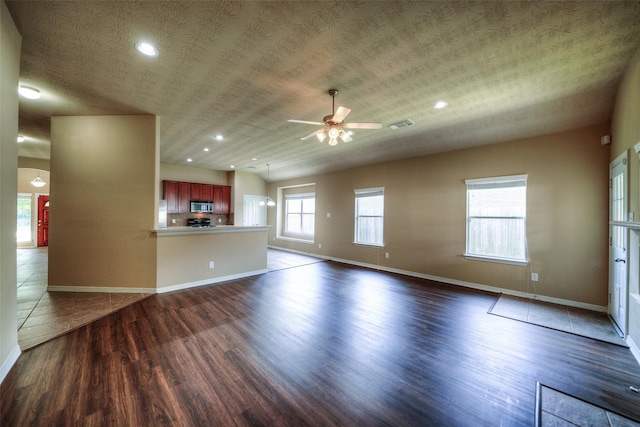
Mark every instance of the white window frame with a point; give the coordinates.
(299, 196)
(368, 192)
(496, 182)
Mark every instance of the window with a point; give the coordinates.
(24, 218)
(369, 217)
(496, 218)
(300, 214)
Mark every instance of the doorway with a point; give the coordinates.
(252, 212)
(618, 241)
(43, 221)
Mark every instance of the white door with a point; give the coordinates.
(618, 243)
(253, 213)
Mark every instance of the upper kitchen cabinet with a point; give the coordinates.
(221, 199)
(170, 190)
(180, 194)
(202, 192)
(184, 197)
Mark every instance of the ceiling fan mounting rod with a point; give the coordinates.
(333, 93)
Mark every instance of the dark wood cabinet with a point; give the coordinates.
(221, 199)
(184, 197)
(196, 191)
(180, 194)
(206, 192)
(170, 189)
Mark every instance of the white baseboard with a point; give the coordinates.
(101, 289)
(635, 349)
(9, 362)
(212, 281)
(479, 286)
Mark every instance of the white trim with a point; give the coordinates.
(494, 289)
(101, 289)
(212, 281)
(487, 258)
(635, 349)
(8, 363)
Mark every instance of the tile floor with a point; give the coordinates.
(43, 315)
(577, 321)
(559, 409)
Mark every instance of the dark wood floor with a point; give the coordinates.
(318, 345)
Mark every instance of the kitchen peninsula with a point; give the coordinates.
(188, 256)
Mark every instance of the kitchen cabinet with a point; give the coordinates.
(184, 197)
(196, 191)
(221, 199)
(202, 192)
(206, 192)
(170, 190)
(180, 194)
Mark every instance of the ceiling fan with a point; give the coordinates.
(334, 126)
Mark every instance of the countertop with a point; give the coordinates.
(172, 231)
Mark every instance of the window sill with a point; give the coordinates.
(295, 239)
(368, 245)
(510, 261)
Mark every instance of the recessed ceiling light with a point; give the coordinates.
(254, 158)
(29, 92)
(20, 138)
(189, 160)
(206, 149)
(232, 166)
(147, 49)
(219, 137)
(440, 105)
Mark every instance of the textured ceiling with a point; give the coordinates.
(241, 69)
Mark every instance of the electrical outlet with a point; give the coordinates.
(319, 245)
(173, 221)
(534, 277)
(386, 255)
(211, 264)
(219, 219)
(328, 214)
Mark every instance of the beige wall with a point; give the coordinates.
(26, 175)
(190, 174)
(10, 42)
(104, 199)
(183, 259)
(625, 134)
(245, 183)
(33, 163)
(425, 214)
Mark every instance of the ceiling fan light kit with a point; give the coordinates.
(334, 124)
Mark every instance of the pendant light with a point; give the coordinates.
(38, 182)
(268, 200)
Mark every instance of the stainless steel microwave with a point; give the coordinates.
(201, 207)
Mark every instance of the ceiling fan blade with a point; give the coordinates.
(306, 122)
(370, 125)
(340, 114)
(319, 131)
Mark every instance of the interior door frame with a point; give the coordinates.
(622, 324)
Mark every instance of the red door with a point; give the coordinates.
(43, 221)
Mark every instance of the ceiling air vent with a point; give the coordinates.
(401, 124)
